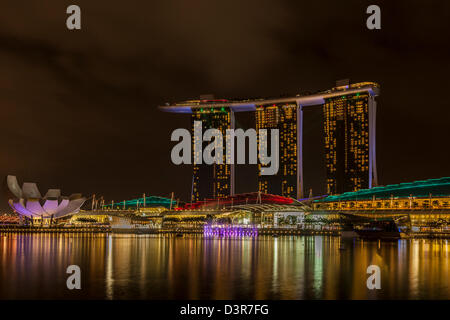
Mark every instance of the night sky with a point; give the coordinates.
(79, 108)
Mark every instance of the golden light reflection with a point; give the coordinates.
(33, 266)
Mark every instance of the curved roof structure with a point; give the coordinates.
(239, 199)
(27, 201)
(435, 187)
(148, 202)
(273, 207)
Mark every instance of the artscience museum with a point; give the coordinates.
(28, 202)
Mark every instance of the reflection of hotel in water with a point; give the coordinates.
(349, 139)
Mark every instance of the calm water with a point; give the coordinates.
(162, 267)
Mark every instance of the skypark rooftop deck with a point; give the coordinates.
(250, 104)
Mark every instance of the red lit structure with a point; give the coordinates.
(238, 199)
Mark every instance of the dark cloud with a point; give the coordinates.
(78, 108)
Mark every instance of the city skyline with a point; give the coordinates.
(224, 158)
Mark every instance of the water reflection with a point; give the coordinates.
(161, 267)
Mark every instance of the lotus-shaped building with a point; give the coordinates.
(27, 201)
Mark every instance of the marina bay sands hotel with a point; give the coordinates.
(349, 112)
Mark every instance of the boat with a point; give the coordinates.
(380, 229)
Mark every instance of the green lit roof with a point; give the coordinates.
(150, 201)
(436, 187)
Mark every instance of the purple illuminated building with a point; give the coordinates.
(230, 231)
(27, 201)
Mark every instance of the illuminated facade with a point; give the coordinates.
(212, 181)
(422, 201)
(284, 118)
(27, 201)
(349, 142)
(349, 115)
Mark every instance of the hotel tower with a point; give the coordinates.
(349, 112)
(211, 181)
